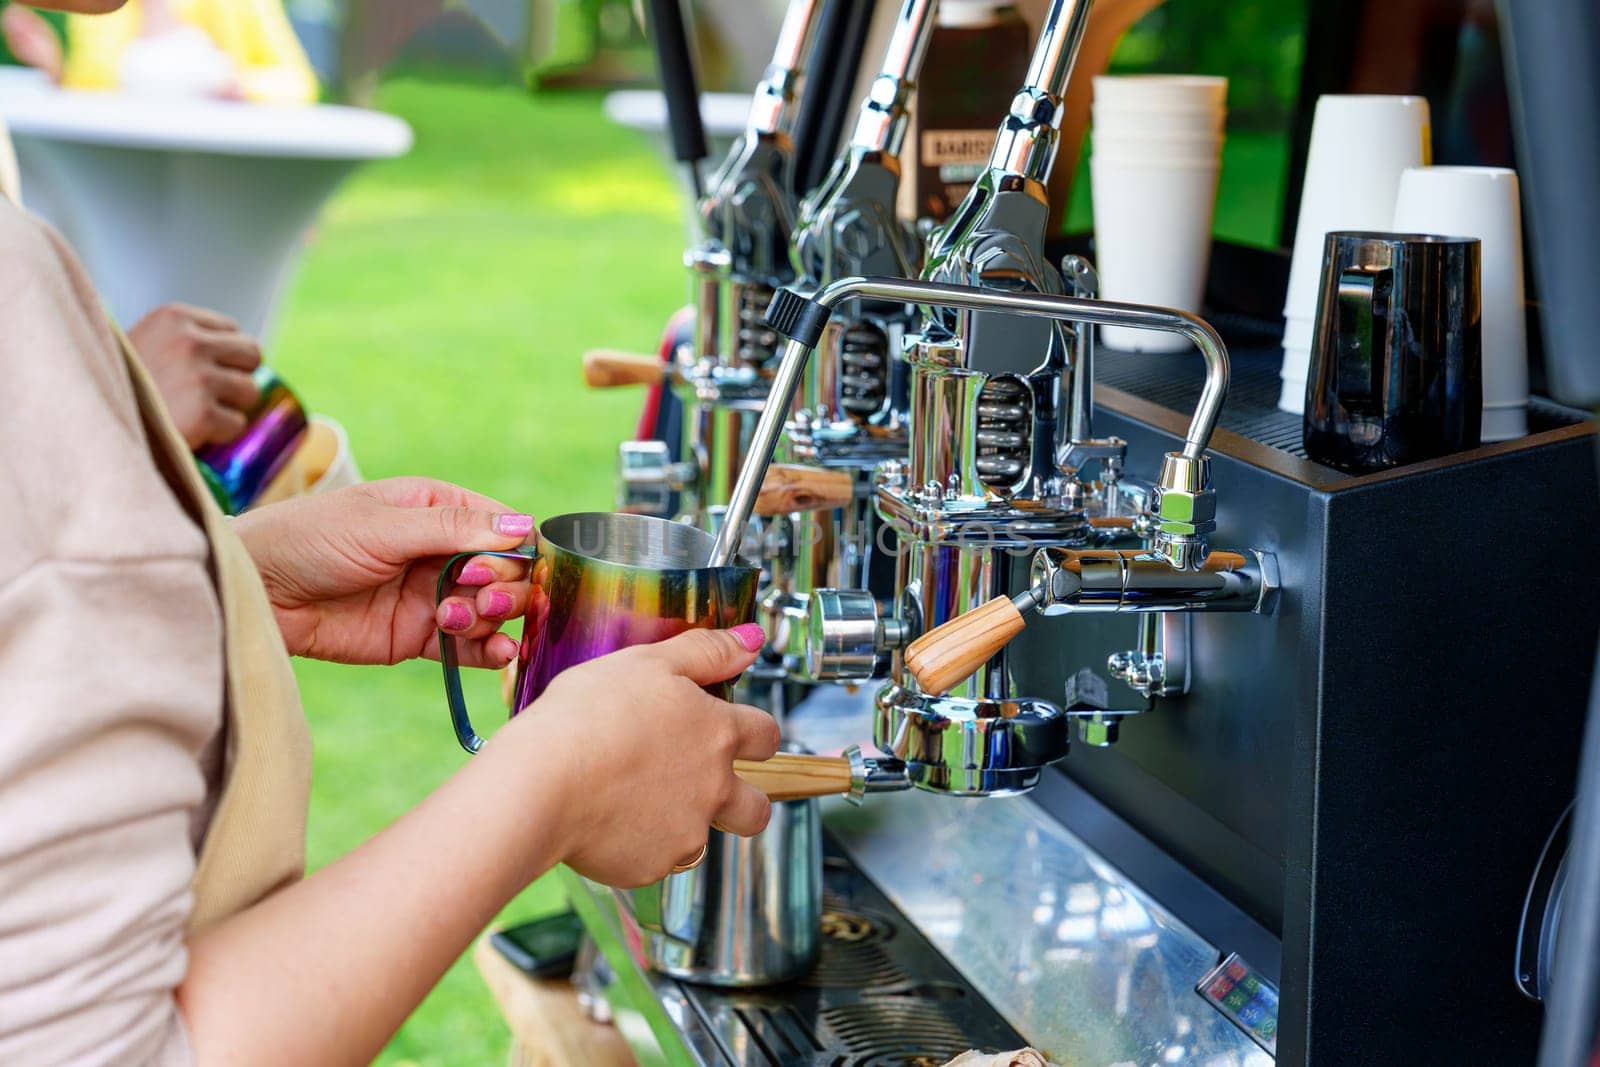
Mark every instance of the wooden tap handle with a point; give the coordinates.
(947, 655)
(604, 368)
(793, 776)
(795, 487)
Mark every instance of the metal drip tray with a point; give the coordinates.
(880, 996)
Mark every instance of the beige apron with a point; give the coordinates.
(255, 842)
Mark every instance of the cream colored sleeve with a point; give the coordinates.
(111, 685)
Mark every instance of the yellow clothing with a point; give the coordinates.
(255, 34)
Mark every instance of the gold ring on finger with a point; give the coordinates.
(679, 868)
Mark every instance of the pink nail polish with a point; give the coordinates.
(498, 604)
(513, 525)
(475, 574)
(750, 635)
(457, 617)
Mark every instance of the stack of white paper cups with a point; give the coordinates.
(1153, 174)
(1359, 146)
(1482, 202)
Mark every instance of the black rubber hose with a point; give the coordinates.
(675, 63)
(828, 98)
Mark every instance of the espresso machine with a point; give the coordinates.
(1300, 833)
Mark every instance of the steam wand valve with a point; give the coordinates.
(1070, 581)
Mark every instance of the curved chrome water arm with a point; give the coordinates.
(1032, 305)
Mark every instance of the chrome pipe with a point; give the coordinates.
(881, 126)
(770, 110)
(780, 397)
(1030, 132)
(1065, 581)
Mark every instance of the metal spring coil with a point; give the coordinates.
(757, 342)
(864, 380)
(1002, 435)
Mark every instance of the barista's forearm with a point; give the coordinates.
(325, 971)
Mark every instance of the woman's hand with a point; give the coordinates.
(351, 573)
(202, 366)
(618, 770)
(645, 754)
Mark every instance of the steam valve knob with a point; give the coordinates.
(844, 635)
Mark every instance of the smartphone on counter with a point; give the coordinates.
(543, 948)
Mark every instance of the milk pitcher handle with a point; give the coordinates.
(447, 644)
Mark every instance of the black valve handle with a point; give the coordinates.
(675, 64)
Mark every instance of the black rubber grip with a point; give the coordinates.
(676, 65)
(799, 318)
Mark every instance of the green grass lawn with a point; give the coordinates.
(440, 315)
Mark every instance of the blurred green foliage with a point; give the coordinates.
(1256, 44)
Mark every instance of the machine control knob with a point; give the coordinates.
(842, 635)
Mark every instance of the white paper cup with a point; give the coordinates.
(1482, 202)
(1359, 147)
(1298, 331)
(1155, 123)
(1152, 230)
(1171, 153)
(1161, 91)
(1292, 378)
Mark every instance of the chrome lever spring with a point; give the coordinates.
(864, 380)
(1002, 432)
(757, 342)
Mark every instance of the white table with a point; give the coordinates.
(203, 201)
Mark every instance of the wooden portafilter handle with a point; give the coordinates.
(792, 487)
(605, 369)
(947, 655)
(798, 776)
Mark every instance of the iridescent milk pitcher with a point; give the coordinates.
(608, 581)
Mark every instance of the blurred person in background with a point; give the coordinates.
(155, 760)
(201, 362)
(230, 49)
